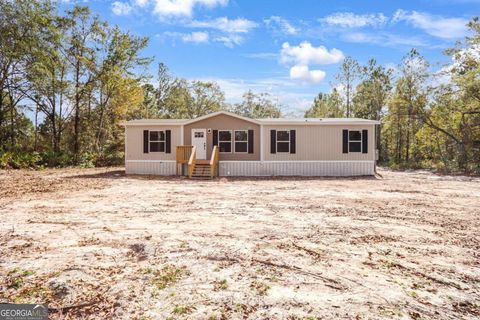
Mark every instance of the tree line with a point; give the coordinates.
(428, 119)
(68, 80)
(76, 75)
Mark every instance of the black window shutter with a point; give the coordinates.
(345, 141)
(215, 137)
(273, 141)
(292, 141)
(168, 141)
(250, 141)
(364, 141)
(145, 141)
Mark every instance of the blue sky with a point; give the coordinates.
(291, 49)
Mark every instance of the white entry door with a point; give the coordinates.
(199, 140)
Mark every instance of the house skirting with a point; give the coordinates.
(156, 167)
(262, 168)
(297, 168)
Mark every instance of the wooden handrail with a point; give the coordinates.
(183, 153)
(191, 161)
(182, 156)
(214, 162)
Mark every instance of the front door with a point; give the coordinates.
(199, 140)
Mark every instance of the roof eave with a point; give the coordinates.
(256, 121)
(219, 113)
(157, 123)
(336, 123)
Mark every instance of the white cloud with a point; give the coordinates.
(193, 37)
(434, 25)
(461, 61)
(166, 8)
(178, 8)
(121, 8)
(141, 3)
(169, 34)
(227, 31)
(383, 39)
(302, 72)
(283, 24)
(281, 90)
(262, 55)
(230, 40)
(437, 26)
(352, 20)
(224, 24)
(305, 54)
(196, 37)
(230, 30)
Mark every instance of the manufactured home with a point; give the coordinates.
(227, 144)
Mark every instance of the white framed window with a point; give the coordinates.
(354, 141)
(156, 141)
(241, 141)
(225, 141)
(283, 141)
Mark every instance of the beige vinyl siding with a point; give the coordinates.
(226, 122)
(134, 143)
(318, 143)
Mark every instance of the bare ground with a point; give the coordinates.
(96, 244)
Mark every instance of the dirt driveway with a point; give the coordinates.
(96, 244)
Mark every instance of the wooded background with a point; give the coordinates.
(77, 78)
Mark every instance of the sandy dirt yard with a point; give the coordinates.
(96, 244)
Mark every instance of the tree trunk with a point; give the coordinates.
(2, 143)
(53, 116)
(348, 99)
(399, 141)
(463, 157)
(407, 144)
(76, 143)
(89, 116)
(54, 131)
(60, 109)
(100, 122)
(12, 125)
(35, 143)
(378, 142)
(459, 143)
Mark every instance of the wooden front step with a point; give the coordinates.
(201, 170)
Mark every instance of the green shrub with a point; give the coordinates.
(50, 159)
(5, 159)
(55, 159)
(110, 159)
(87, 160)
(19, 160)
